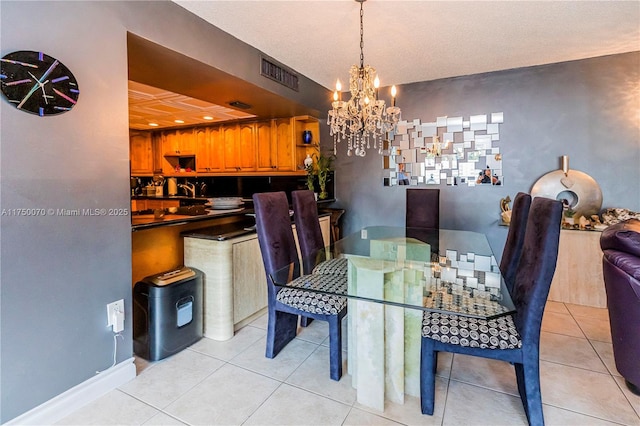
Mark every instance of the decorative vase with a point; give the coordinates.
(308, 161)
(307, 136)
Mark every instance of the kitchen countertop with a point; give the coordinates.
(171, 197)
(147, 221)
(229, 230)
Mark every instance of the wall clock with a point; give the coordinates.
(37, 83)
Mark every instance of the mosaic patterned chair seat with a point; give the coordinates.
(498, 333)
(514, 338)
(312, 301)
(332, 267)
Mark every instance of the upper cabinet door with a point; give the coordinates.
(231, 152)
(267, 148)
(209, 149)
(285, 152)
(141, 152)
(247, 146)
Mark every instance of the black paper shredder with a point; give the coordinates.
(167, 313)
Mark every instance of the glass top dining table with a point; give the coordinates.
(446, 271)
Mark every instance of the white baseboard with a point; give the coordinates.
(78, 396)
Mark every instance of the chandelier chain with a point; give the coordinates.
(361, 35)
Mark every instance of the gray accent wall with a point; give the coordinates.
(58, 273)
(587, 109)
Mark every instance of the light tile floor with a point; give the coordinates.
(232, 383)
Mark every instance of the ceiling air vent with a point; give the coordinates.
(278, 73)
(239, 104)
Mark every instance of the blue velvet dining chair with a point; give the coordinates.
(285, 304)
(305, 216)
(513, 338)
(515, 238)
(422, 208)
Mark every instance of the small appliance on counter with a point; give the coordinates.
(172, 186)
(167, 313)
(135, 185)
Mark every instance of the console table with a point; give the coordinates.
(578, 278)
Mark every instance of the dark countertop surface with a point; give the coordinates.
(147, 221)
(216, 232)
(224, 231)
(229, 230)
(171, 197)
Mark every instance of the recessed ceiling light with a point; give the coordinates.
(208, 117)
(153, 124)
(179, 121)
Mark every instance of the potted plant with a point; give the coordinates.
(325, 165)
(568, 216)
(310, 176)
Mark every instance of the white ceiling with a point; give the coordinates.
(409, 41)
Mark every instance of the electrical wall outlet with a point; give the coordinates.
(115, 315)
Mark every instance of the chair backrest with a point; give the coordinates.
(273, 226)
(515, 238)
(536, 267)
(305, 215)
(423, 208)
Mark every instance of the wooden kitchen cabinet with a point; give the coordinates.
(275, 145)
(178, 141)
(179, 150)
(209, 149)
(282, 130)
(266, 147)
(239, 147)
(247, 146)
(260, 146)
(230, 138)
(141, 152)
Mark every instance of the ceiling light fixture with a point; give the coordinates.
(364, 116)
(153, 124)
(179, 121)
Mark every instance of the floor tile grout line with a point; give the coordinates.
(179, 396)
(605, 373)
(583, 414)
(625, 394)
(262, 403)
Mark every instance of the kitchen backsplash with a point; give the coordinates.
(234, 186)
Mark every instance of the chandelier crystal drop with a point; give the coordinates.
(364, 117)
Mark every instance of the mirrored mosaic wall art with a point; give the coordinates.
(448, 151)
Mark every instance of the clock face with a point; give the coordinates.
(37, 83)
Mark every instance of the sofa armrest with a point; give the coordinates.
(623, 236)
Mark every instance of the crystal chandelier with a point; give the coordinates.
(363, 117)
